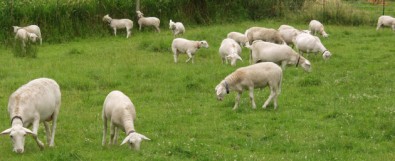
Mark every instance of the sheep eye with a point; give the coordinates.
(11, 136)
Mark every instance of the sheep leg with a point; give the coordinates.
(112, 131)
(115, 31)
(283, 65)
(47, 132)
(272, 95)
(157, 28)
(378, 26)
(36, 123)
(252, 97)
(54, 119)
(104, 131)
(116, 135)
(190, 57)
(128, 33)
(237, 100)
(175, 56)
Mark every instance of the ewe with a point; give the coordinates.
(119, 24)
(248, 78)
(35, 102)
(180, 45)
(24, 37)
(386, 21)
(229, 49)
(177, 28)
(238, 37)
(307, 43)
(121, 112)
(147, 21)
(31, 29)
(264, 34)
(317, 27)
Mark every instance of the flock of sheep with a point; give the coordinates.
(270, 52)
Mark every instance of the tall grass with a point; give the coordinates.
(342, 110)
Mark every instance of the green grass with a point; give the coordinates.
(342, 110)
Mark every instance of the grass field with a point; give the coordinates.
(343, 110)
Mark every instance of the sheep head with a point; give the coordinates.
(107, 18)
(134, 140)
(326, 55)
(203, 44)
(221, 90)
(33, 37)
(305, 64)
(139, 14)
(16, 28)
(17, 135)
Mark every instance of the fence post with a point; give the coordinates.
(383, 6)
(323, 10)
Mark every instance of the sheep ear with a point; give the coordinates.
(144, 137)
(126, 139)
(29, 131)
(8, 131)
(219, 90)
(238, 57)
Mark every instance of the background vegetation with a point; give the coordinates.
(342, 110)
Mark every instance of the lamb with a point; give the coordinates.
(265, 34)
(254, 76)
(308, 43)
(229, 49)
(35, 102)
(181, 45)
(24, 37)
(281, 54)
(31, 29)
(177, 28)
(119, 24)
(386, 21)
(238, 37)
(316, 26)
(119, 109)
(147, 21)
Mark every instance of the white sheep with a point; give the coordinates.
(177, 28)
(317, 27)
(147, 21)
(265, 34)
(386, 21)
(248, 78)
(25, 37)
(230, 49)
(288, 34)
(35, 102)
(280, 54)
(119, 109)
(181, 45)
(119, 24)
(31, 29)
(282, 27)
(238, 37)
(307, 43)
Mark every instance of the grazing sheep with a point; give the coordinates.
(386, 21)
(119, 24)
(24, 37)
(281, 54)
(265, 34)
(288, 35)
(177, 28)
(180, 45)
(121, 112)
(229, 49)
(316, 26)
(35, 102)
(254, 76)
(307, 43)
(238, 37)
(31, 29)
(148, 21)
(283, 27)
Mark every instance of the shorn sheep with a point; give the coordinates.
(119, 24)
(35, 102)
(177, 28)
(248, 78)
(264, 34)
(306, 43)
(231, 50)
(31, 29)
(147, 21)
(25, 37)
(280, 54)
(238, 37)
(317, 27)
(386, 21)
(120, 111)
(181, 45)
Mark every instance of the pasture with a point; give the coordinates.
(343, 110)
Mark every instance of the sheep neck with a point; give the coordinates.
(197, 45)
(16, 117)
(128, 122)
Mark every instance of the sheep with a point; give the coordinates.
(265, 34)
(37, 101)
(181, 45)
(31, 29)
(229, 49)
(177, 28)
(308, 43)
(281, 54)
(24, 37)
(316, 26)
(288, 34)
(119, 109)
(238, 37)
(282, 27)
(254, 76)
(119, 24)
(386, 21)
(147, 21)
